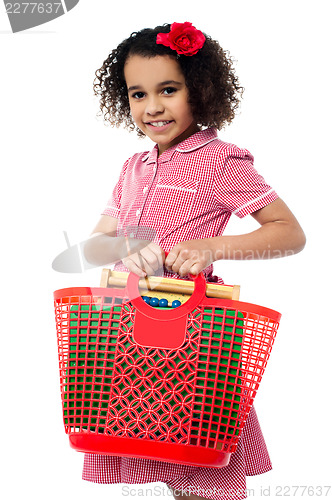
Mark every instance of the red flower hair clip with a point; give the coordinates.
(184, 38)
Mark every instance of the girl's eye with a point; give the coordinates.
(169, 90)
(138, 95)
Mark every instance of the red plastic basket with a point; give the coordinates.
(174, 385)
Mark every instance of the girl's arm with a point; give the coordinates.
(104, 248)
(280, 235)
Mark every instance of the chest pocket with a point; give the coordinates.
(171, 203)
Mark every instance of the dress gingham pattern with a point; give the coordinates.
(189, 192)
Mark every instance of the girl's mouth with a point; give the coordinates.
(160, 125)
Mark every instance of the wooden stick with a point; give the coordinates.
(105, 276)
(155, 283)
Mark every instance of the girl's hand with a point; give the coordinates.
(145, 261)
(189, 257)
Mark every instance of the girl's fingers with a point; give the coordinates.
(146, 261)
(195, 269)
(187, 266)
(136, 264)
(170, 259)
(153, 256)
(175, 264)
(133, 268)
(145, 265)
(160, 253)
(136, 270)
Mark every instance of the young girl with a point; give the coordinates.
(177, 86)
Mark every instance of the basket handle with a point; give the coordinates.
(154, 313)
(162, 329)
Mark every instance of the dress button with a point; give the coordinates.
(138, 212)
(144, 190)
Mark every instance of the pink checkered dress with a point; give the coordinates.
(189, 192)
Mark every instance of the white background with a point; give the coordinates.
(58, 166)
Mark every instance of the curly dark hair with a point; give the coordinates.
(213, 88)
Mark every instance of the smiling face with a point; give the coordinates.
(158, 99)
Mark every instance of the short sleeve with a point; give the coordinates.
(114, 203)
(238, 187)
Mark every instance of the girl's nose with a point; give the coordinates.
(154, 106)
